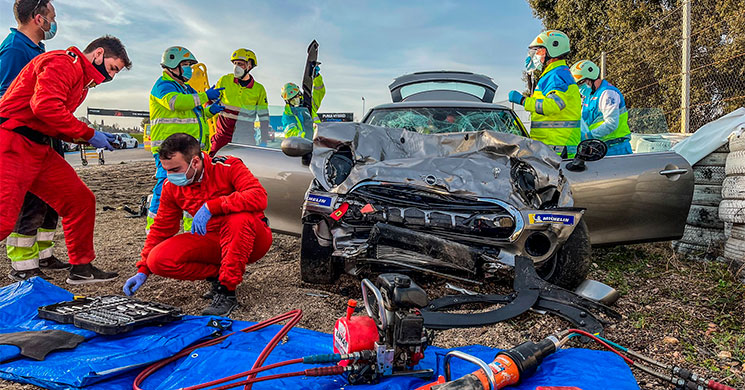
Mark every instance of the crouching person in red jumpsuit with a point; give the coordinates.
(229, 229)
(39, 105)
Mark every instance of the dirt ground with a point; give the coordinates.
(677, 311)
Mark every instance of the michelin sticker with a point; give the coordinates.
(551, 218)
(319, 200)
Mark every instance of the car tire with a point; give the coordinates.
(723, 149)
(738, 231)
(136, 144)
(704, 195)
(734, 249)
(735, 163)
(732, 210)
(737, 142)
(709, 175)
(705, 217)
(703, 236)
(733, 187)
(317, 266)
(688, 249)
(569, 266)
(716, 159)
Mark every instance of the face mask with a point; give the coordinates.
(585, 90)
(52, 30)
(239, 72)
(180, 179)
(101, 68)
(186, 72)
(295, 101)
(529, 64)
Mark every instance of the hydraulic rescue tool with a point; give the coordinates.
(393, 329)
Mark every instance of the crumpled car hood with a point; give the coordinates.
(476, 164)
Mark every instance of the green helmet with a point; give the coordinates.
(289, 91)
(173, 56)
(585, 70)
(555, 42)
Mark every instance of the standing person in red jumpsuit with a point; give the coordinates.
(229, 228)
(38, 106)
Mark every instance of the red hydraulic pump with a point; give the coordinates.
(354, 334)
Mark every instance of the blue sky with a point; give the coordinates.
(363, 45)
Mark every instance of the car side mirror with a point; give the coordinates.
(298, 147)
(587, 150)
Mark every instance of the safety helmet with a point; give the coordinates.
(585, 70)
(555, 42)
(173, 56)
(289, 91)
(245, 55)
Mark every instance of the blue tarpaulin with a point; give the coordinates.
(112, 362)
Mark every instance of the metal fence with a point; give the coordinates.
(682, 70)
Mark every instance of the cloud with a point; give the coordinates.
(364, 45)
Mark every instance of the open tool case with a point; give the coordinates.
(111, 314)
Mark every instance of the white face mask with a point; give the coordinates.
(295, 102)
(239, 72)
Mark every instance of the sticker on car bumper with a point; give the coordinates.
(551, 218)
(318, 200)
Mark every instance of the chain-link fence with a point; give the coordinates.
(648, 67)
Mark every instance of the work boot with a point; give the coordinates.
(53, 263)
(215, 285)
(87, 273)
(20, 276)
(222, 304)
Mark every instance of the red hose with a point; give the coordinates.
(592, 336)
(294, 316)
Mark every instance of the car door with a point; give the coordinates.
(285, 179)
(634, 198)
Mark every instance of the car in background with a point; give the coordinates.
(126, 141)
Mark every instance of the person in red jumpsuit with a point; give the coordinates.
(229, 228)
(40, 105)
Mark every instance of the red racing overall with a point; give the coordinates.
(237, 234)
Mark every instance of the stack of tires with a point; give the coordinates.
(732, 208)
(704, 233)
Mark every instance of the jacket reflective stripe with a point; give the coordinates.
(180, 121)
(172, 103)
(554, 124)
(21, 241)
(539, 107)
(600, 120)
(197, 102)
(559, 101)
(46, 253)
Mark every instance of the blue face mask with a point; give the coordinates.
(585, 90)
(186, 72)
(180, 179)
(49, 34)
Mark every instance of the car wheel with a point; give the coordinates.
(569, 266)
(85, 162)
(732, 210)
(705, 217)
(136, 144)
(317, 266)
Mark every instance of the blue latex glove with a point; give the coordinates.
(516, 97)
(215, 108)
(213, 93)
(199, 224)
(134, 283)
(102, 140)
(316, 70)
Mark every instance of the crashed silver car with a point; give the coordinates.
(444, 181)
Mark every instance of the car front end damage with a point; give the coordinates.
(461, 206)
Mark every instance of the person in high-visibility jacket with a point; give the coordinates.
(603, 109)
(556, 105)
(296, 119)
(176, 107)
(244, 99)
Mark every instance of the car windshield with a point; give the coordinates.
(436, 120)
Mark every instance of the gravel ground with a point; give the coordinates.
(677, 311)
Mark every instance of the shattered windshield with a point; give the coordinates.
(438, 120)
